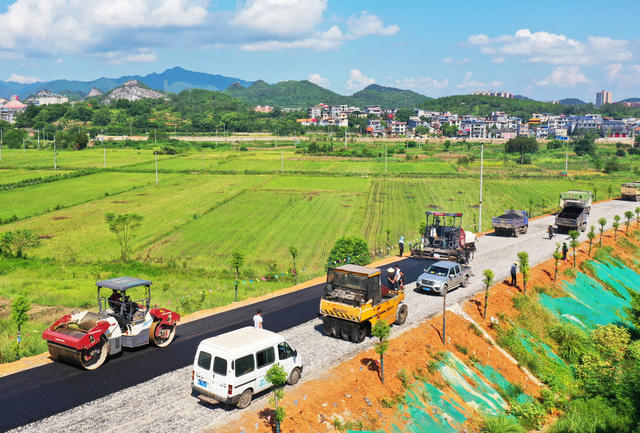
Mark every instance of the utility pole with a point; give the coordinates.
(55, 155)
(481, 175)
(282, 161)
(23, 145)
(130, 130)
(444, 315)
(156, 168)
(38, 139)
(104, 150)
(345, 138)
(385, 156)
(155, 136)
(566, 163)
(1, 138)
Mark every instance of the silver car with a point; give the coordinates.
(443, 276)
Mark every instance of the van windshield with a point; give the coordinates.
(220, 366)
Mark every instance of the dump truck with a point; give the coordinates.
(86, 338)
(511, 223)
(355, 299)
(575, 208)
(444, 238)
(630, 191)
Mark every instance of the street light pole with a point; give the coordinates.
(104, 149)
(55, 153)
(385, 157)
(1, 139)
(481, 176)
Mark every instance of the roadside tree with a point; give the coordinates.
(277, 377)
(488, 281)
(637, 211)
(294, 253)
(557, 255)
(602, 222)
(616, 226)
(125, 227)
(628, 215)
(19, 308)
(237, 260)
(381, 330)
(591, 235)
(523, 257)
(16, 243)
(574, 234)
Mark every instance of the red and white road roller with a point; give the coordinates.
(85, 338)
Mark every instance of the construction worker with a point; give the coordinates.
(514, 274)
(257, 319)
(401, 245)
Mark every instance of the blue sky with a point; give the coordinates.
(544, 49)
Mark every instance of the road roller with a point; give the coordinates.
(125, 319)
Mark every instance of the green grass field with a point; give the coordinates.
(8, 176)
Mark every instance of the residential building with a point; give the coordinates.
(9, 110)
(47, 97)
(398, 128)
(316, 112)
(263, 109)
(376, 110)
(337, 110)
(603, 97)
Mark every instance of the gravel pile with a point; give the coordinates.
(165, 403)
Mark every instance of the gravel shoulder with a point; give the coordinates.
(165, 403)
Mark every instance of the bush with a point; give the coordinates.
(621, 152)
(349, 249)
(572, 341)
(593, 415)
(501, 424)
(521, 144)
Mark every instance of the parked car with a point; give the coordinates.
(443, 276)
(230, 368)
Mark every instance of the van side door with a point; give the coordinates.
(265, 358)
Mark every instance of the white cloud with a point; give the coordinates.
(367, 24)
(72, 26)
(497, 60)
(545, 47)
(22, 79)
(564, 76)
(422, 83)
(357, 80)
(461, 61)
(141, 55)
(628, 75)
(59, 60)
(468, 82)
(281, 17)
(327, 40)
(319, 80)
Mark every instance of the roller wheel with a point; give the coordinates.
(94, 357)
(401, 314)
(294, 377)
(359, 334)
(245, 399)
(167, 333)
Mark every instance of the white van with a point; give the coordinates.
(230, 368)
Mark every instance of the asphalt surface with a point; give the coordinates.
(39, 392)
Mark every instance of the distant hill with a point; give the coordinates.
(132, 90)
(630, 100)
(306, 94)
(388, 97)
(571, 101)
(285, 94)
(172, 80)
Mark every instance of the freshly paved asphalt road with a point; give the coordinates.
(39, 392)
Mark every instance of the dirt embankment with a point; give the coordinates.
(350, 395)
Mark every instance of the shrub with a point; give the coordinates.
(501, 424)
(530, 414)
(591, 416)
(349, 249)
(572, 341)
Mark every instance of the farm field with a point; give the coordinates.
(88, 158)
(193, 220)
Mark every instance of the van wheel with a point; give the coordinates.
(245, 399)
(294, 377)
(401, 315)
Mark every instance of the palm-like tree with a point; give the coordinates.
(616, 226)
(602, 222)
(573, 234)
(637, 210)
(591, 236)
(557, 255)
(628, 215)
(488, 281)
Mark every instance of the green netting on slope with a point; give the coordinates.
(497, 379)
(427, 409)
(590, 304)
(533, 345)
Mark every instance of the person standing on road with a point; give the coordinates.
(514, 274)
(401, 245)
(399, 278)
(565, 250)
(550, 230)
(257, 319)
